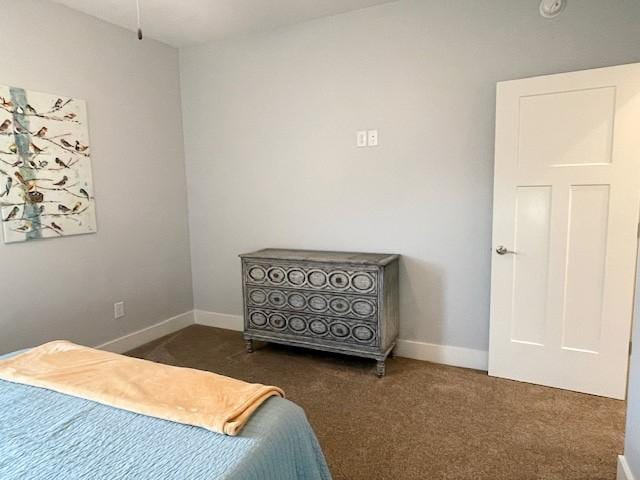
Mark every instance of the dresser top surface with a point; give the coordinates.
(380, 259)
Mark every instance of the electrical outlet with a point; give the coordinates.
(361, 138)
(118, 310)
(372, 138)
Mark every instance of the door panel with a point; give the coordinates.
(586, 262)
(531, 269)
(566, 201)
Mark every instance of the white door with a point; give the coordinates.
(566, 201)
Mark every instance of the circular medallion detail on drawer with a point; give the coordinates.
(297, 300)
(296, 277)
(339, 329)
(297, 324)
(276, 275)
(318, 327)
(339, 280)
(363, 308)
(277, 321)
(339, 305)
(277, 299)
(362, 282)
(317, 303)
(258, 297)
(258, 319)
(257, 274)
(317, 278)
(362, 333)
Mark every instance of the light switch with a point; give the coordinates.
(361, 138)
(372, 138)
(118, 310)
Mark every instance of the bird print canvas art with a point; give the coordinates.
(46, 186)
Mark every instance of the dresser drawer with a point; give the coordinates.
(312, 277)
(311, 326)
(319, 303)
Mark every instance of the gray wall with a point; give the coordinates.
(632, 434)
(270, 124)
(65, 288)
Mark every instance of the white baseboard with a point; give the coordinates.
(445, 354)
(624, 472)
(135, 339)
(456, 356)
(219, 320)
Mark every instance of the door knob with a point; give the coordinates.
(502, 250)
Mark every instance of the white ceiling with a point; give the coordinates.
(187, 22)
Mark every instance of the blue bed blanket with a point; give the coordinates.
(48, 435)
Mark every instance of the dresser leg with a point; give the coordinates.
(380, 368)
(248, 343)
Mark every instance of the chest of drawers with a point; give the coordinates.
(335, 301)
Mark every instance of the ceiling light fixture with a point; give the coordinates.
(139, 27)
(551, 8)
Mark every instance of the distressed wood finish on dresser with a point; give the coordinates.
(335, 301)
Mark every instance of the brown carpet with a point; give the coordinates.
(422, 421)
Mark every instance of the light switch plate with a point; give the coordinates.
(361, 140)
(372, 138)
(118, 310)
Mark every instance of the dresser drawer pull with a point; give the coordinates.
(339, 330)
(276, 299)
(276, 275)
(277, 321)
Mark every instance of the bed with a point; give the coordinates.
(47, 435)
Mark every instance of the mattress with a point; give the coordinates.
(48, 435)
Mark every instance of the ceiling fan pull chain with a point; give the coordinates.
(139, 27)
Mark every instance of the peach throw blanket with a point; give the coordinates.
(182, 395)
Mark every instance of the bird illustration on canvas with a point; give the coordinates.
(13, 148)
(76, 207)
(7, 187)
(62, 182)
(63, 208)
(25, 226)
(20, 178)
(12, 214)
(84, 193)
(36, 149)
(31, 110)
(56, 226)
(6, 103)
(60, 163)
(5, 125)
(18, 128)
(57, 105)
(79, 147)
(42, 132)
(65, 143)
(70, 116)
